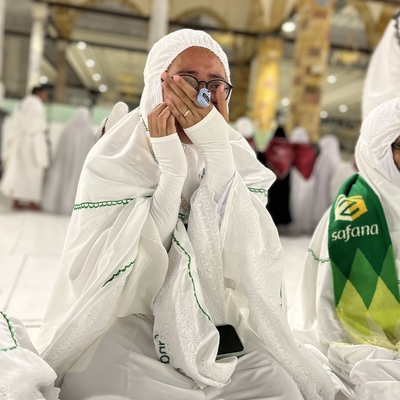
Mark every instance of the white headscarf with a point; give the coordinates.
(374, 159)
(161, 56)
(383, 76)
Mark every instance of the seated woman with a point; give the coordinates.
(169, 239)
(348, 302)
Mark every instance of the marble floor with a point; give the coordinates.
(30, 247)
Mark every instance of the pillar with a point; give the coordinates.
(310, 65)
(62, 72)
(2, 28)
(266, 87)
(36, 45)
(158, 21)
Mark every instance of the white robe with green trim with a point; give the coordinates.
(114, 265)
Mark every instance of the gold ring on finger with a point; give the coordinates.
(186, 113)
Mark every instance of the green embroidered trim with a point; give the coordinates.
(190, 275)
(262, 191)
(119, 272)
(181, 216)
(105, 203)
(11, 333)
(316, 258)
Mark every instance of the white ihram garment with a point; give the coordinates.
(63, 175)
(27, 151)
(226, 267)
(370, 372)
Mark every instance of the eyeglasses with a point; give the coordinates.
(396, 146)
(212, 85)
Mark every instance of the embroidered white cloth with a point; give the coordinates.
(366, 371)
(114, 263)
(24, 375)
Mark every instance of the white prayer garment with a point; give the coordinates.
(63, 175)
(166, 241)
(24, 375)
(358, 349)
(27, 151)
(382, 81)
(326, 164)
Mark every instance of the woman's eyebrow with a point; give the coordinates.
(186, 71)
(192, 72)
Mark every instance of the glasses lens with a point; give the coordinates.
(190, 80)
(213, 86)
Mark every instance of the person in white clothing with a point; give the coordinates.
(382, 81)
(301, 184)
(170, 246)
(347, 309)
(26, 152)
(62, 179)
(326, 164)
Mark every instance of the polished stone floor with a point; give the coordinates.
(30, 247)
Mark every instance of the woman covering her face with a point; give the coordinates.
(348, 304)
(169, 239)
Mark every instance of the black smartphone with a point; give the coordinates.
(229, 342)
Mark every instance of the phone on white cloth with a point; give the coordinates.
(229, 342)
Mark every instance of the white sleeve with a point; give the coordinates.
(167, 197)
(210, 135)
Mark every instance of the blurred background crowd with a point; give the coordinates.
(298, 71)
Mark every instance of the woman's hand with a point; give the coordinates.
(180, 97)
(161, 121)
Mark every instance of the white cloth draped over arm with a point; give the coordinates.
(113, 262)
(245, 267)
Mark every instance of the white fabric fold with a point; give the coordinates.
(367, 371)
(24, 375)
(115, 264)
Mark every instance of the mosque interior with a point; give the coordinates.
(93, 51)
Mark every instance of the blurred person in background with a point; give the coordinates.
(26, 152)
(279, 157)
(119, 110)
(347, 308)
(302, 183)
(245, 126)
(327, 162)
(62, 178)
(345, 170)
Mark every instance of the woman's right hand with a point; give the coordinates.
(161, 121)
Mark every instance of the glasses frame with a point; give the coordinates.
(396, 146)
(230, 87)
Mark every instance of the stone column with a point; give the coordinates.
(2, 28)
(36, 45)
(62, 72)
(310, 65)
(158, 21)
(266, 87)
